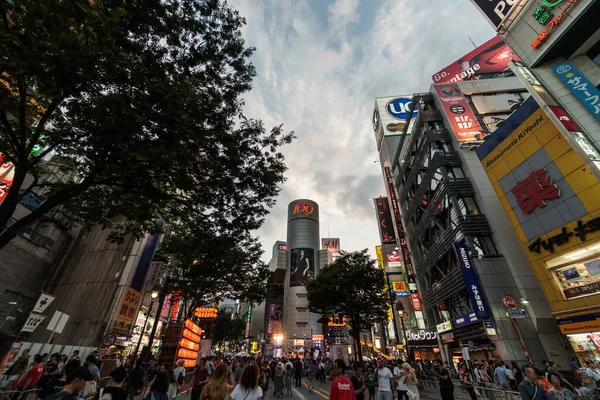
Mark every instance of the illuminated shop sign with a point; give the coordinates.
(394, 260)
(464, 124)
(563, 237)
(471, 281)
(416, 302)
(533, 190)
(580, 86)
(444, 327)
(579, 324)
(399, 288)
(466, 320)
(384, 220)
(554, 22)
(422, 338)
(303, 207)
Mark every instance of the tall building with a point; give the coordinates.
(467, 260)
(553, 143)
(302, 265)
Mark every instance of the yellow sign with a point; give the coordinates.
(399, 286)
(127, 309)
(379, 257)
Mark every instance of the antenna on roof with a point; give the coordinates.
(474, 45)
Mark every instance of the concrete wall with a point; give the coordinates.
(86, 288)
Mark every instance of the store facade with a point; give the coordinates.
(550, 195)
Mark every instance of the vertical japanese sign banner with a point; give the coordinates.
(473, 287)
(459, 113)
(384, 220)
(580, 86)
(127, 310)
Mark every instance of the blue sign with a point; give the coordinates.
(489, 325)
(466, 320)
(473, 288)
(516, 313)
(580, 86)
(398, 108)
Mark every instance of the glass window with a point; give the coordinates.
(577, 273)
(471, 206)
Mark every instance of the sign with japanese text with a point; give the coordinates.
(127, 310)
(444, 327)
(490, 58)
(580, 86)
(33, 321)
(394, 260)
(459, 113)
(579, 324)
(401, 236)
(534, 190)
(468, 319)
(156, 275)
(543, 15)
(384, 220)
(422, 337)
(332, 245)
(580, 291)
(399, 287)
(380, 263)
(580, 231)
(416, 302)
(471, 281)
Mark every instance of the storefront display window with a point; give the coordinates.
(577, 274)
(586, 345)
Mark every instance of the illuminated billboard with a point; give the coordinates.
(302, 266)
(459, 113)
(390, 115)
(275, 322)
(551, 199)
(384, 220)
(489, 59)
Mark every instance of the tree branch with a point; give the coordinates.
(22, 108)
(41, 127)
(30, 188)
(11, 133)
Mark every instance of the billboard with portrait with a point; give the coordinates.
(302, 266)
(487, 60)
(275, 324)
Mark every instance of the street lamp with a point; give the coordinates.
(153, 295)
(400, 311)
(8, 316)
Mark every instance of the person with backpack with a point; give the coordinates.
(180, 372)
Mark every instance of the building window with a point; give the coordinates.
(594, 53)
(301, 309)
(301, 295)
(577, 273)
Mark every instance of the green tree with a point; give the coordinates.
(141, 99)
(226, 328)
(354, 287)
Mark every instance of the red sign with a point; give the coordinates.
(489, 58)
(459, 113)
(303, 207)
(416, 302)
(13, 354)
(564, 118)
(596, 341)
(553, 23)
(108, 340)
(175, 307)
(394, 257)
(510, 302)
(282, 246)
(384, 218)
(533, 190)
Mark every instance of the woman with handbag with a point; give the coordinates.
(411, 381)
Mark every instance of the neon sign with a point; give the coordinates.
(303, 207)
(553, 22)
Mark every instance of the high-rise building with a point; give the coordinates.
(467, 261)
(553, 143)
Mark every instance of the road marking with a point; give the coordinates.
(317, 391)
(299, 394)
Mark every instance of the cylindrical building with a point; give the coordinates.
(302, 265)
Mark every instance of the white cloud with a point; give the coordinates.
(320, 79)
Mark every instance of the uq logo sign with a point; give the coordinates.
(398, 107)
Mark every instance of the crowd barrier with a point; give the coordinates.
(431, 388)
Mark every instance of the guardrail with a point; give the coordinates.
(18, 394)
(431, 388)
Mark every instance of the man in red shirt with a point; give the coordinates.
(29, 379)
(341, 387)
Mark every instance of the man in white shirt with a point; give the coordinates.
(384, 377)
(400, 383)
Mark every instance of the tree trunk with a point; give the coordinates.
(356, 332)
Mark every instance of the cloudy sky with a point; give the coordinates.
(320, 64)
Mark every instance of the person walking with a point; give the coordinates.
(248, 388)
(312, 375)
(558, 392)
(445, 382)
(298, 372)
(135, 380)
(501, 376)
(159, 388)
(115, 390)
(370, 382)
(288, 379)
(384, 381)
(220, 385)
(200, 379)
(341, 387)
(279, 375)
(529, 388)
(358, 381)
(74, 384)
(411, 382)
(401, 387)
(173, 385)
(465, 374)
(29, 379)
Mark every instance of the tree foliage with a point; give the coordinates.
(351, 286)
(226, 328)
(141, 99)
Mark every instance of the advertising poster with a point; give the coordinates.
(384, 220)
(490, 58)
(390, 116)
(275, 324)
(459, 113)
(302, 266)
(7, 173)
